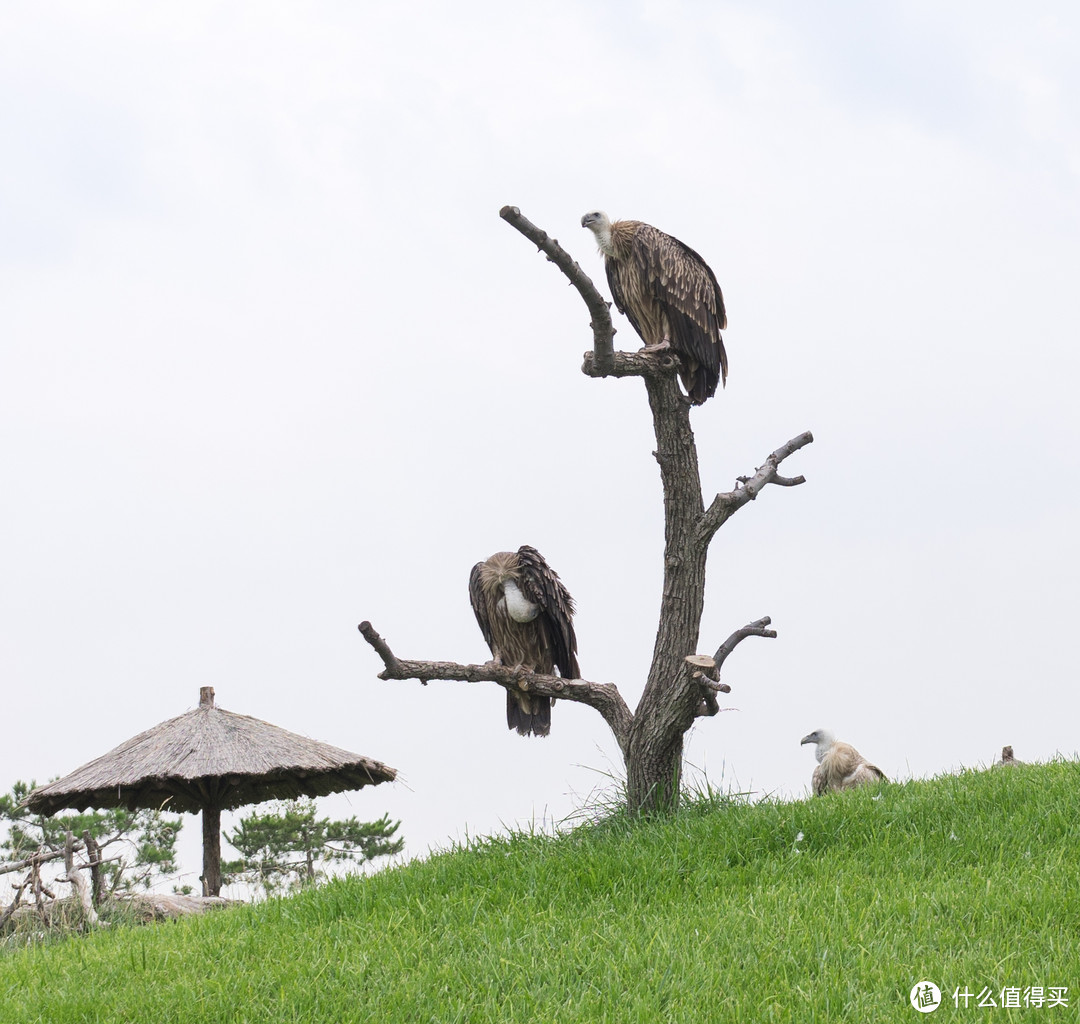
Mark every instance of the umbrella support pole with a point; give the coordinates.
(211, 835)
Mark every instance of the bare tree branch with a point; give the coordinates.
(603, 697)
(15, 902)
(394, 669)
(35, 858)
(757, 628)
(599, 308)
(726, 504)
(632, 364)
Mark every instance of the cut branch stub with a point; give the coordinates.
(702, 671)
(701, 665)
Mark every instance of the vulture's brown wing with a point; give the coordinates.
(541, 585)
(619, 296)
(479, 605)
(678, 278)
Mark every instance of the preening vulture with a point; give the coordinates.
(526, 616)
(840, 765)
(670, 295)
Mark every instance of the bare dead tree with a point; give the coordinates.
(46, 901)
(74, 875)
(681, 684)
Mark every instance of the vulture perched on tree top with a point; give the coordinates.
(670, 295)
(526, 616)
(840, 765)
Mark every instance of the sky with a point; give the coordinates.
(271, 364)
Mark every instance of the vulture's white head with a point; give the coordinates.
(822, 738)
(598, 223)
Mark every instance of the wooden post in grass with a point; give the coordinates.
(211, 834)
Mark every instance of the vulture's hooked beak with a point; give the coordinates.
(811, 738)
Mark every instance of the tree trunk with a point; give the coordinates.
(93, 854)
(666, 709)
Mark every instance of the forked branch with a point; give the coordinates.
(756, 628)
(749, 487)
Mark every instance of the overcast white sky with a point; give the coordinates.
(271, 365)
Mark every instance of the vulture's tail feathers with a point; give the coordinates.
(529, 715)
(698, 386)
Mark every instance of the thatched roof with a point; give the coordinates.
(209, 757)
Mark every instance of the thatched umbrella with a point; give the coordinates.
(209, 760)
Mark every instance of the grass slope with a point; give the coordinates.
(718, 914)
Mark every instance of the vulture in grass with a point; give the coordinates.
(670, 295)
(526, 616)
(840, 765)
(1007, 757)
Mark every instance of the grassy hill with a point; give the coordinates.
(823, 910)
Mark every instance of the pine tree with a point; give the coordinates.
(289, 847)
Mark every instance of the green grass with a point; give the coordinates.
(717, 914)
